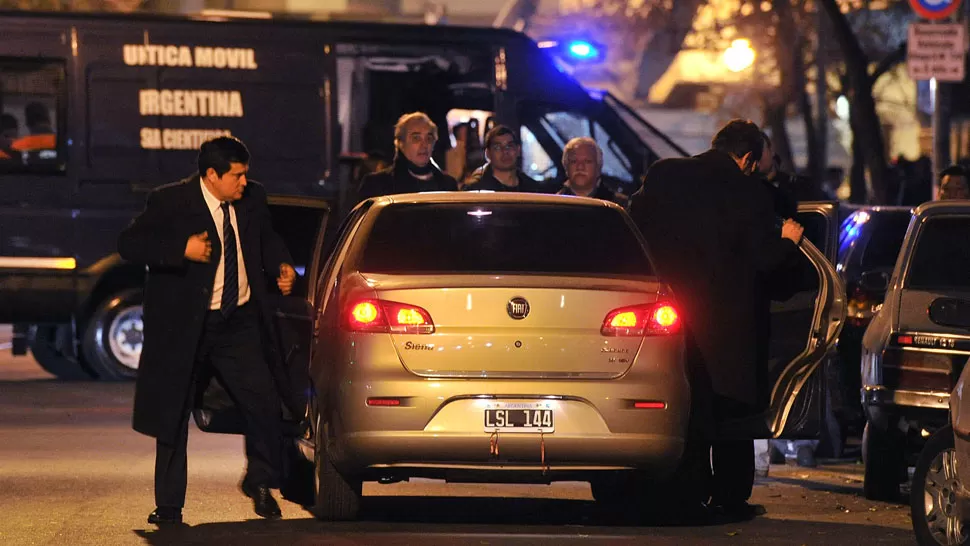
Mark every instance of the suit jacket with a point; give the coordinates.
(711, 235)
(178, 292)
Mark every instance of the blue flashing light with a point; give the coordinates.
(574, 51)
(851, 229)
(582, 49)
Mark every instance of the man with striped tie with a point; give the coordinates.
(210, 249)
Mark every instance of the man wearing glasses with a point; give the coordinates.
(501, 173)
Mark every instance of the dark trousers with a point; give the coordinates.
(719, 468)
(230, 349)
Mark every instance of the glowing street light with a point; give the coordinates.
(739, 56)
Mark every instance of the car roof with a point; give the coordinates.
(934, 208)
(853, 208)
(482, 196)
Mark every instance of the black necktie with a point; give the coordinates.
(230, 285)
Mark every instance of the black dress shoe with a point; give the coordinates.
(165, 515)
(263, 502)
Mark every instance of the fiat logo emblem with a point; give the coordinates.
(518, 308)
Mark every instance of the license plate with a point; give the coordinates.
(519, 417)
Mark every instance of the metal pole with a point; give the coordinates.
(942, 93)
(941, 131)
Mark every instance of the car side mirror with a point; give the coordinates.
(874, 281)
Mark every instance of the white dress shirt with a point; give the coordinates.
(215, 209)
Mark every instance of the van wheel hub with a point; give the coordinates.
(126, 336)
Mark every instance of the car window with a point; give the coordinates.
(882, 248)
(941, 260)
(332, 248)
(870, 240)
(816, 228)
(564, 126)
(32, 116)
(536, 163)
(458, 238)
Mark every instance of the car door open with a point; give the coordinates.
(301, 222)
(805, 328)
(806, 318)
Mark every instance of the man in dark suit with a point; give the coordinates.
(415, 136)
(210, 249)
(710, 232)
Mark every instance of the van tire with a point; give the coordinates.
(48, 346)
(336, 498)
(120, 314)
(882, 454)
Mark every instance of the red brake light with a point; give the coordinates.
(386, 402)
(650, 405)
(654, 319)
(373, 315)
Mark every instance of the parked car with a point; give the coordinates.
(478, 336)
(912, 353)
(939, 497)
(869, 242)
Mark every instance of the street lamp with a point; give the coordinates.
(739, 56)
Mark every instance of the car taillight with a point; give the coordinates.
(372, 315)
(654, 319)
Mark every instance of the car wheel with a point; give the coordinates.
(882, 454)
(50, 347)
(933, 501)
(298, 475)
(336, 497)
(114, 335)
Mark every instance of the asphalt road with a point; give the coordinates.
(73, 472)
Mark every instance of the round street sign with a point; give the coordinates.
(934, 9)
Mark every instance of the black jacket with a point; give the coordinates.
(484, 179)
(178, 292)
(711, 235)
(601, 192)
(396, 179)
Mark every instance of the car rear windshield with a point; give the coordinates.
(888, 232)
(461, 238)
(942, 257)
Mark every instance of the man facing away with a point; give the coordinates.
(210, 249)
(711, 232)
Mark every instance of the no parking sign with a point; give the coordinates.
(935, 9)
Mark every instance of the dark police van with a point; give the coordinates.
(99, 109)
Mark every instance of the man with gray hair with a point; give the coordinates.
(583, 160)
(415, 136)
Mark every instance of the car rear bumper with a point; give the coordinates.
(884, 406)
(382, 417)
(436, 455)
